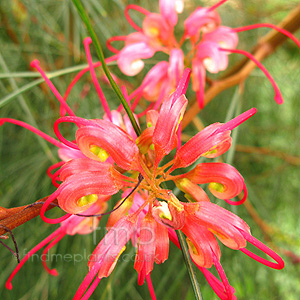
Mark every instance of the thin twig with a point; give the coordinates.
(14, 241)
(293, 160)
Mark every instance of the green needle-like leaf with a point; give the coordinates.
(188, 262)
(99, 51)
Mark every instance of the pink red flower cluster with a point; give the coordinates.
(210, 45)
(107, 157)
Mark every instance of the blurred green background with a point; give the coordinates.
(52, 32)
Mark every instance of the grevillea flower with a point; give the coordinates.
(105, 158)
(210, 45)
(149, 214)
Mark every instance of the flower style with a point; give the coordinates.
(150, 214)
(211, 43)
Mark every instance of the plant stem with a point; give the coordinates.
(16, 216)
(99, 51)
(188, 262)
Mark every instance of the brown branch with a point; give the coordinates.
(266, 229)
(16, 216)
(293, 160)
(241, 71)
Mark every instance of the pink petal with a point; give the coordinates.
(66, 153)
(230, 179)
(170, 115)
(162, 244)
(176, 66)
(83, 164)
(200, 242)
(223, 223)
(154, 80)
(198, 80)
(169, 10)
(201, 19)
(204, 143)
(226, 37)
(156, 27)
(130, 58)
(111, 138)
(107, 251)
(211, 56)
(83, 184)
(146, 247)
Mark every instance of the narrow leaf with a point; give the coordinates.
(188, 262)
(99, 51)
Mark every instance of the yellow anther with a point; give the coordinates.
(175, 203)
(219, 187)
(153, 31)
(180, 118)
(210, 152)
(100, 152)
(149, 124)
(192, 246)
(116, 260)
(164, 212)
(218, 234)
(182, 183)
(122, 250)
(165, 216)
(88, 199)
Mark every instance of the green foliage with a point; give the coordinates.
(53, 32)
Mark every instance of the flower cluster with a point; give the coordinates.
(107, 157)
(209, 44)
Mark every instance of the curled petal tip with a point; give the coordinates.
(183, 83)
(1, 122)
(237, 120)
(34, 63)
(186, 75)
(240, 201)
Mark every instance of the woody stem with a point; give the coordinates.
(15, 217)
